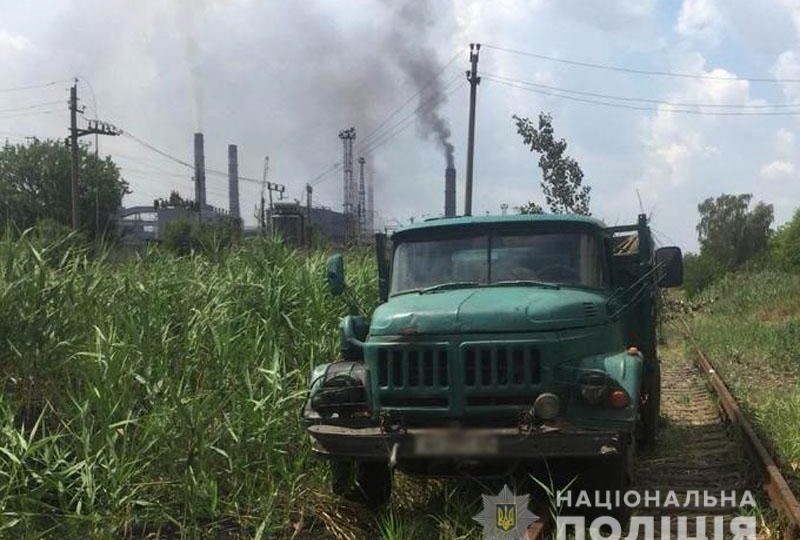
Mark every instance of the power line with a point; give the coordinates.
(415, 95)
(321, 177)
(32, 113)
(157, 150)
(655, 73)
(155, 172)
(33, 86)
(422, 105)
(375, 133)
(34, 106)
(499, 78)
(401, 126)
(643, 108)
(184, 163)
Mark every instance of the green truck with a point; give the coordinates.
(500, 341)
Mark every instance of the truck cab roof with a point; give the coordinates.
(454, 224)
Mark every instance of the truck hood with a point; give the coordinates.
(490, 309)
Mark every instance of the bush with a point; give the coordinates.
(184, 236)
(700, 271)
(785, 245)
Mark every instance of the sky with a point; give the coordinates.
(283, 78)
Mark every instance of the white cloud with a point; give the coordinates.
(788, 67)
(15, 42)
(784, 140)
(674, 141)
(700, 19)
(777, 169)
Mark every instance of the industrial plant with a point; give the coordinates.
(297, 222)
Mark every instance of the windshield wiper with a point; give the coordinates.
(524, 283)
(452, 285)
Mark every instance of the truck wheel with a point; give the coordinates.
(342, 477)
(373, 483)
(368, 483)
(651, 408)
(615, 474)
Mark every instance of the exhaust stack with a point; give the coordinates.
(450, 192)
(199, 172)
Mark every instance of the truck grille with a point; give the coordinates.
(501, 366)
(413, 368)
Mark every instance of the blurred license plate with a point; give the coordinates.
(457, 443)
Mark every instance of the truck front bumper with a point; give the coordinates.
(373, 443)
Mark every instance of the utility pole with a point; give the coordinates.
(261, 217)
(96, 127)
(474, 80)
(362, 210)
(309, 191)
(73, 145)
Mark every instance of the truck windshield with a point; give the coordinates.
(571, 259)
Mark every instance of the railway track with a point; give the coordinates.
(705, 445)
(696, 451)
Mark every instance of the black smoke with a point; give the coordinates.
(409, 44)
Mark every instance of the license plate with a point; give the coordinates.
(457, 443)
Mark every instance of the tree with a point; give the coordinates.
(562, 177)
(35, 185)
(530, 207)
(730, 232)
(700, 271)
(785, 244)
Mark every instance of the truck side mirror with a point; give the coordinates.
(671, 261)
(335, 276)
(383, 266)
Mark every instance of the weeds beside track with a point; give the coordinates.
(159, 395)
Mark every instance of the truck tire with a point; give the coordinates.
(615, 474)
(373, 483)
(368, 482)
(342, 477)
(650, 410)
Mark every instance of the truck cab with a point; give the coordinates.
(500, 340)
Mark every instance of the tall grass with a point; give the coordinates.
(750, 330)
(159, 395)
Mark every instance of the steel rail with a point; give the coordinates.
(775, 485)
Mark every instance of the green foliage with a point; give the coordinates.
(160, 396)
(700, 271)
(530, 207)
(750, 334)
(562, 177)
(35, 184)
(179, 237)
(184, 236)
(785, 245)
(731, 233)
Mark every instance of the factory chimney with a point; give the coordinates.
(233, 181)
(449, 192)
(199, 172)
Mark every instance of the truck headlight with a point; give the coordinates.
(546, 406)
(594, 387)
(340, 390)
(598, 389)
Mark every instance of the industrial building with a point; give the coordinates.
(295, 222)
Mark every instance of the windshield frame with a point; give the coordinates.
(454, 233)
